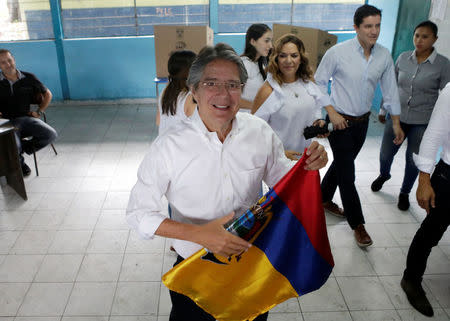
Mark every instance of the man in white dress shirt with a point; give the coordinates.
(355, 66)
(209, 167)
(432, 195)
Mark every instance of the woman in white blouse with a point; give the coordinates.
(175, 103)
(258, 43)
(289, 100)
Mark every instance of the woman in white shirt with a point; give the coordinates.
(289, 100)
(258, 43)
(175, 103)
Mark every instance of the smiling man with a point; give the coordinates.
(355, 66)
(209, 167)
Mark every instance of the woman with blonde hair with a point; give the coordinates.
(289, 100)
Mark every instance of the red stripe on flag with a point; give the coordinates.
(309, 211)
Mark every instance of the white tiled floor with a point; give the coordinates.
(67, 254)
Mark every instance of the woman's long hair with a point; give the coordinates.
(256, 31)
(304, 71)
(178, 65)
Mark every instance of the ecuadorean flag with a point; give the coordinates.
(290, 256)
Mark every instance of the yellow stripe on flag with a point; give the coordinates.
(261, 287)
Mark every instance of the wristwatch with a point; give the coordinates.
(39, 112)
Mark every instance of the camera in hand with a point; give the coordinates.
(313, 131)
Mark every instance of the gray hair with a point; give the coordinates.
(209, 54)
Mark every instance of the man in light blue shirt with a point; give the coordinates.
(355, 66)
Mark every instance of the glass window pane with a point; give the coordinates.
(325, 14)
(171, 12)
(108, 18)
(237, 16)
(25, 20)
(98, 18)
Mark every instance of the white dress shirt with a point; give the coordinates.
(167, 120)
(203, 178)
(254, 81)
(290, 108)
(436, 135)
(354, 78)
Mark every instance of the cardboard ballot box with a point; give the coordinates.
(172, 38)
(316, 41)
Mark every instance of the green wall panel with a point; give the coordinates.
(411, 13)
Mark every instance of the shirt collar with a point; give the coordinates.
(360, 49)
(431, 58)
(198, 122)
(19, 74)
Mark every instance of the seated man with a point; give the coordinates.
(19, 89)
(209, 167)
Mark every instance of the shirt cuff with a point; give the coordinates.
(323, 100)
(147, 225)
(382, 112)
(424, 164)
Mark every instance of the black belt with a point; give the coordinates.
(361, 118)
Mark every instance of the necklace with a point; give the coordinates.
(291, 87)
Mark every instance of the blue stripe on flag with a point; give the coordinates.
(288, 248)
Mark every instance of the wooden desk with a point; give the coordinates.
(9, 160)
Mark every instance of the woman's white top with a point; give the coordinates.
(168, 120)
(255, 79)
(290, 108)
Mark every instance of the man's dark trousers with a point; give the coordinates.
(433, 226)
(345, 145)
(43, 134)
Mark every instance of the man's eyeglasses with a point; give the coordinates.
(231, 86)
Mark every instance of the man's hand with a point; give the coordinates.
(318, 157)
(425, 193)
(337, 120)
(34, 114)
(382, 119)
(292, 154)
(216, 239)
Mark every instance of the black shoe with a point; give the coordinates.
(416, 296)
(28, 146)
(26, 171)
(403, 202)
(377, 184)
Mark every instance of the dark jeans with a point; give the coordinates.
(184, 309)
(433, 226)
(414, 134)
(42, 133)
(345, 145)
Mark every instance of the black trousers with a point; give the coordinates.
(184, 309)
(345, 145)
(433, 226)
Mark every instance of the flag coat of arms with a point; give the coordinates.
(290, 256)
